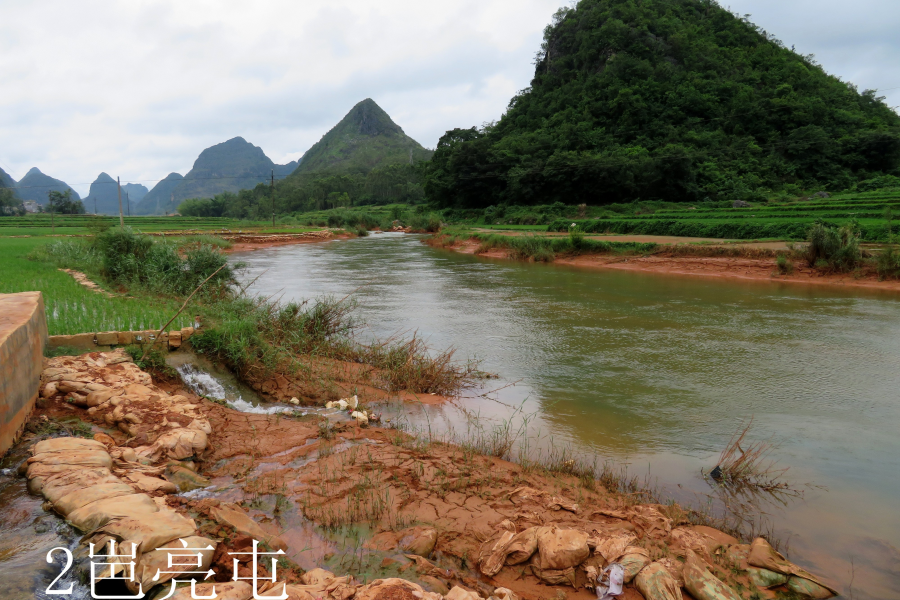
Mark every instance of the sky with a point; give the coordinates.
(138, 88)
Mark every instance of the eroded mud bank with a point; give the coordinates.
(418, 520)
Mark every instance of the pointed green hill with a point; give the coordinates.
(365, 139)
(5, 180)
(35, 186)
(671, 100)
(159, 200)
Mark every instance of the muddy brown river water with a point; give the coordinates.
(654, 373)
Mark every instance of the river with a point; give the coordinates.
(656, 373)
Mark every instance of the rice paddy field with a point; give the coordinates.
(43, 225)
(71, 307)
(788, 220)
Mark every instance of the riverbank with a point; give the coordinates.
(366, 503)
(753, 263)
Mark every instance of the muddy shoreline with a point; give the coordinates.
(747, 269)
(426, 520)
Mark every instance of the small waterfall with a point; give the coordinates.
(205, 384)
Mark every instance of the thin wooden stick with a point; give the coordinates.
(183, 306)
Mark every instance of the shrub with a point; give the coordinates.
(888, 264)
(833, 248)
(784, 264)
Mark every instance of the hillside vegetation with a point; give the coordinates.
(36, 185)
(365, 159)
(675, 101)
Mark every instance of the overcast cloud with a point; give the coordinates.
(138, 88)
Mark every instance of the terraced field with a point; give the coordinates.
(773, 220)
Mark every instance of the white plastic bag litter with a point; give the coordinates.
(611, 581)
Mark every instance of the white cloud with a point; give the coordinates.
(138, 88)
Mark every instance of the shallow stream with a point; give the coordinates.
(655, 372)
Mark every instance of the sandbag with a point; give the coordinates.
(89, 494)
(504, 594)
(66, 444)
(702, 584)
(656, 583)
(764, 556)
(55, 487)
(150, 533)
(492, 553)
(418, 540)
(385, 586)
(522, 546)
(146, 483)
(612, 546)
(765, 578)
(458, 593)
(633, 561)
(560, 549)
(805, 587)
(97, 514)
(158, 560)
(231, 590)
(554, 576)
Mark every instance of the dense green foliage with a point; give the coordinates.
(833, 248)
(64, 204)
(139, 261)
(35, 186)
(315, 191)
(677, 101)
(10, 205)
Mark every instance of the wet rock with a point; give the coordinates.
(234, 517)
(765, 578)
(185, 479)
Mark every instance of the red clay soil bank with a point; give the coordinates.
(753, 269)
(464, 526)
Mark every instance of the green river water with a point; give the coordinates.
(655, 373)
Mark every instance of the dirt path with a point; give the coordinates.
(750, 269)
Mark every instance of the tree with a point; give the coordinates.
(10, 205)
(62, 203)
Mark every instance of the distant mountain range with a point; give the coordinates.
(160, 199)
(365, 139)
(227, 167)
(35, 186)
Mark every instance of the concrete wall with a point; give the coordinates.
(23, 336)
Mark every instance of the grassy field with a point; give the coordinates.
(789, 220)
(71, 307)
(40, 225)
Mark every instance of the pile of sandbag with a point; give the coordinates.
(112, 388)
(76, 476)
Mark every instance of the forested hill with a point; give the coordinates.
(365, 139)
(672, 100)
(36, 186)
(159, 200)
(228, 167)
(5, 180)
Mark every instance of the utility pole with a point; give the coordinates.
(272, 187)
(121, 215)
(50, 203)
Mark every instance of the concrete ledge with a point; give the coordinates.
(23, 336)
(105, 340)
